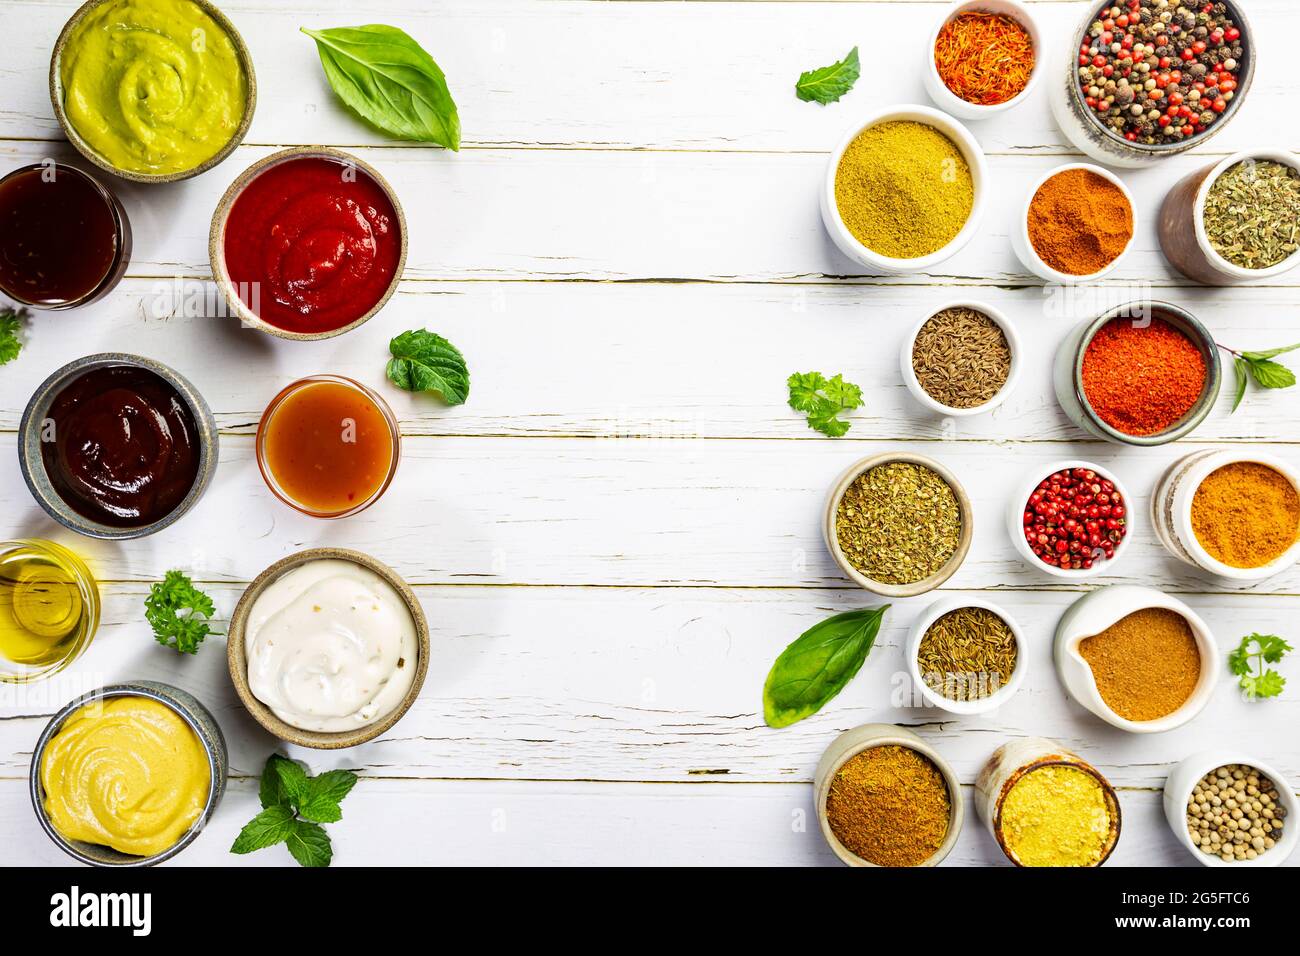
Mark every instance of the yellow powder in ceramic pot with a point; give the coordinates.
(904, 189)
(1057, 815)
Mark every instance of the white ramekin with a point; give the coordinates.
(950, 102)
(1016, 512)
(1024, 247)
(1004, 693)
(888, 265)
(1098, 610)
(1182, 781)
(1171, 512)
(938, 408)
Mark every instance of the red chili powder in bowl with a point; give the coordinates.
(1141, 379)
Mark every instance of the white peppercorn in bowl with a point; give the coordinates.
(929, 402)
(1181, 786)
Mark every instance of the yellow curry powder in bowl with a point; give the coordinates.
(904, 189)
(1057, 815)
(1146, 665)
(889, 805)
(1246, 514)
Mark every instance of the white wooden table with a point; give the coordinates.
(617, 534)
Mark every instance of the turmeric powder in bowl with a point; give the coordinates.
(1246, 514)
(1058, 815)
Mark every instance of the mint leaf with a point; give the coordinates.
(323, 794)
(289, 781)
(179, 613)
(1243, 378)
(823, 399)
(310, 844)
(273, 825)
(828, 83)
(1271, 374)
(1269, 353)
(426, 362)
(11, 321)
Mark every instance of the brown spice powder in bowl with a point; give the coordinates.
(1146, 664)
(889, 805)
(1246, 514)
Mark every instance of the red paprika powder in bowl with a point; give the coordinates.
(1145, 373)
(1078, 224)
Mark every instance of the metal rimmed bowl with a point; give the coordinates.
(31, 427)
(217, 240)
(1082, 127)
(853, 742)
(88, 151)
(237, 656)
(1067, 372)
(841, 485)
(189, 709)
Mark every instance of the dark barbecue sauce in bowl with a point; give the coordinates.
(123, 449)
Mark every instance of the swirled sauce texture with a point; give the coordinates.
(312, 244)
(120, 446)
(125, 772)
(331, 646)
(153, 86)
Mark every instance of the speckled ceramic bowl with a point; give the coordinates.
(85, 149)
(829, 535)
(33, 468)
(217, 240)
(236, 655)
(200, 720)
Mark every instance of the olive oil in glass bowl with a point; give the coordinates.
(49, 609)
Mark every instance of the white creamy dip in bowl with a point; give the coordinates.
(328, 648)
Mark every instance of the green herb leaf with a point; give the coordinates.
(1247, 663)
(273, 825)
(1271, 647)
(426, 362)
(829, 83)
(1269, 353)
(310, 844)
(1243, 378)
(387, 78)
(11, 321)
(323, 794)
(288, 781)
(1268, 684)
(1271, 374)
(818, 665)
(823, 399)
(179, 613)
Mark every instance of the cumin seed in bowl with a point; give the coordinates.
(961, 360)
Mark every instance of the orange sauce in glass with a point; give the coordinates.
(328, 446)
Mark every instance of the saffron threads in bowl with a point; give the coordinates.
(984, 58)
(1142, 378)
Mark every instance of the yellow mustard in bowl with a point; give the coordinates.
(125, 772)
(152, 86)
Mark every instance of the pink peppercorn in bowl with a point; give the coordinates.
(1054, 505)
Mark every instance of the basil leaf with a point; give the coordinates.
(1243, 377)
(387, 78)
(310, 844)
(818, 665)
(829, 83)
(273, 825)
(1272, 375)
(426, 362)
(1269, 353)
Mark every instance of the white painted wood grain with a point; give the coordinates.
(647, 360)
(695, 76)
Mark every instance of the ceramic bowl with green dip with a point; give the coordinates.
(152, 90)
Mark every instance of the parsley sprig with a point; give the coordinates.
(294, 805)
(1260, 367)
(11, 322)
(822, 399)
(1248, 663)
(179, 613)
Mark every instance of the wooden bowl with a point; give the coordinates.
(238, 661)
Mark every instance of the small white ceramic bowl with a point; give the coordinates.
(982, 705)
(1098, 610)
(1016, 526)
(974, 156)
(853, 742)
(1171, 512)
(1182, 781)
(949, 101)
(1024, 248)
(938, 408)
